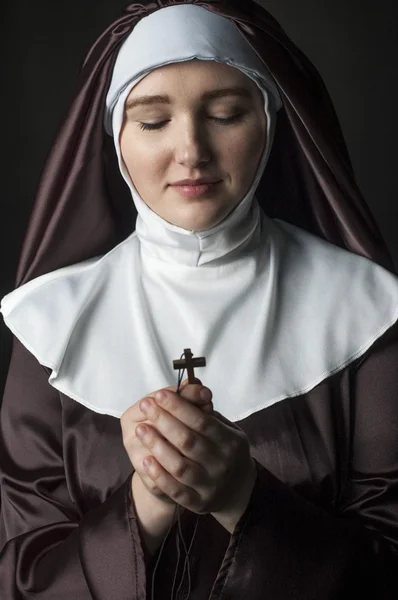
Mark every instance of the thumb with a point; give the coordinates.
(173, 388)
(205, 406)
(186, 382)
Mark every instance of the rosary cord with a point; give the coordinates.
(160, 553)
(189, 566)
(187, 553)
(180, 375)
(180, 535)
(178, 555)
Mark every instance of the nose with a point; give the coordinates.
(192, 146)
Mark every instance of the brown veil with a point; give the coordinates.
(83, 208)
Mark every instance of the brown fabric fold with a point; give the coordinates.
(322, 522)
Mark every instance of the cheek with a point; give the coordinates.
(254, 146)
(127, 150)
(146, 164)
(137, 156)
(258, 136)
(244, 153)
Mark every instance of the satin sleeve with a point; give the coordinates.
(284, 546)
(48, 548)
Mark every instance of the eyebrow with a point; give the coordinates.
(164, 99)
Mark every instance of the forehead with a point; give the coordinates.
(202, 74)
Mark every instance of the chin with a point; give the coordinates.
(198, 225)
(201, 222)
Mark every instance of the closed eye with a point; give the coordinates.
(160, 124)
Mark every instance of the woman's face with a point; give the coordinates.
(193, 135)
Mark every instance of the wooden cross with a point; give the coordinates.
(189, 364)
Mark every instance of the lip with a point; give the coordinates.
(195, 182)
(194, 191)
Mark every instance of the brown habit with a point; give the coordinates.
(322, 522)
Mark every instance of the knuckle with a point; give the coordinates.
(182, 496)
(151, 443)
(201, 424)
(154, 414)
(152, 487)
(236, 444)
(180, 469)
(233, 447)
(170, 403)
(208, 505)
(177, 494)
(191, 392)
(148, 441)
(186, 441)
(222, 470)
(229, 458)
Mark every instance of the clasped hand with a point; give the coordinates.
(183, 449)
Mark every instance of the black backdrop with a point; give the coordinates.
(353, 43)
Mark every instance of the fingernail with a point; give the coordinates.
(141, 431)
(160, 396)
(205, 394)
(145, 405)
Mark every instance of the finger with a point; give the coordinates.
(173, 489)
(191, 392)
(180, 467)
(152, 487)
(133, 413)
(197, 394)
(192, 416)
(186, 441)
(223, 419)
(186, 382)
(191, 443)
(173, 388)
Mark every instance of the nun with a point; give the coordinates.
(199, 211)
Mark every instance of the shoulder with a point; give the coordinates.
(332, 279)
(60, 298)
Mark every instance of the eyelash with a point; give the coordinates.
(155, 126)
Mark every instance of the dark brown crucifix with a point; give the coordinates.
(189, 364)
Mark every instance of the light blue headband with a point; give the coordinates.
(180, 33)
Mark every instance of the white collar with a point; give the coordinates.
(272, 321)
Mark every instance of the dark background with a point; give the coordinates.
(353, 44)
